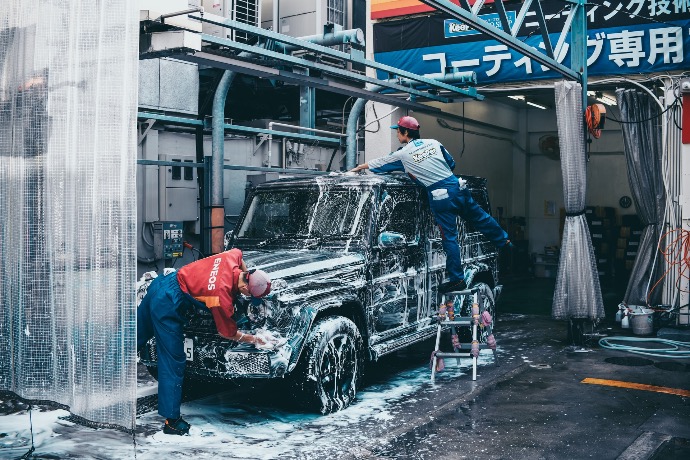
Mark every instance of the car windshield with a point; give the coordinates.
(307, 213)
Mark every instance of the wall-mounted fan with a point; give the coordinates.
(548, 145)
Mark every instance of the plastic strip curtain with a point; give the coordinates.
(578, 293)
(671, 166)
(68, 97)
(643, 155)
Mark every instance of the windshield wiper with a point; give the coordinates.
(267, 241)
(312, 242)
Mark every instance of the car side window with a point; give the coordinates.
(399, 213)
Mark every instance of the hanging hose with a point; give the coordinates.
(33, 448)
(677, 256)
(674, 349)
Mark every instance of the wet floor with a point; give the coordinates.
(534, 405)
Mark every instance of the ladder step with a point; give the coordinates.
(482, 346)
(465, 292)
(462, 321)
(452, 355)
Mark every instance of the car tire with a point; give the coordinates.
(330, 368)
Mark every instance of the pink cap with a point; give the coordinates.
(259, 283)
(406, 122)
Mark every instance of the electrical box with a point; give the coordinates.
(147, 178)
(167, 240)
(169, 85)
(307, 17)
(178, 189)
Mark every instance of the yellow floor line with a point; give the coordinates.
(637, 386)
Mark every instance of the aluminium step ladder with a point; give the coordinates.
(446, 317)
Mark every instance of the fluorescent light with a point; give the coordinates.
(536, 105)
(517, 98)
(591, 93)
(608, 100)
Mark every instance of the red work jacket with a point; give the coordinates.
(213, 281)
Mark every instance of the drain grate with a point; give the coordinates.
(672, 366)
(540, 366)
(625, 361)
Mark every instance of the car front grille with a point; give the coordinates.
(222, 361)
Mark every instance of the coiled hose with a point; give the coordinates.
(674, 348)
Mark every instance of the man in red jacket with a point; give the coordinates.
(213, 283)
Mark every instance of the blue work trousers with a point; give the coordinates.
(161, 315)
(446, 208)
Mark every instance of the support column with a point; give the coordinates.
(578, 46)
(307, 106)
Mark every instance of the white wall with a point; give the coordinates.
(607, 178)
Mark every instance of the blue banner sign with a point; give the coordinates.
(618, 43)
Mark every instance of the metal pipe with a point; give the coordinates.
(275, 123)
(454, 77)
(358, 107)
(218, 156)
(351, 130)
(338, 37)
(195, 9)
(314, 130)
(217, 161)
(356, 58)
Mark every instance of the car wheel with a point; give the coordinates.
(488, 303)
(153, 371)
(331, 365)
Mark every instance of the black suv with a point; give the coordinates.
(356, 261)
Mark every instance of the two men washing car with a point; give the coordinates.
(214, 282)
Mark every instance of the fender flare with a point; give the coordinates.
(309, 312)
(475, 268)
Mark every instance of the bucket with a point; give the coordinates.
(642, 320)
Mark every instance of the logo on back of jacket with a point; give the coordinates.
(214, 273)
(421, 155)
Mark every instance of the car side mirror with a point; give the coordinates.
(228, 240)
(392, 240)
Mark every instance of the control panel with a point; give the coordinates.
(168, 240)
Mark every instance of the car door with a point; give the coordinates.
(398, 259)
(435, 259)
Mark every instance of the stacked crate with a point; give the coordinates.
(545, 264)
(615, 239)
(627, 244)
(603, 230)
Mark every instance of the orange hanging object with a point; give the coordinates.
(595, 116)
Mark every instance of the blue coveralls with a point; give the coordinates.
(429, 164)
(165, 322)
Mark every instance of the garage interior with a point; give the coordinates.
(273, 127)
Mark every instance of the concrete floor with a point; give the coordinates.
(534, 405)
(539, 408)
